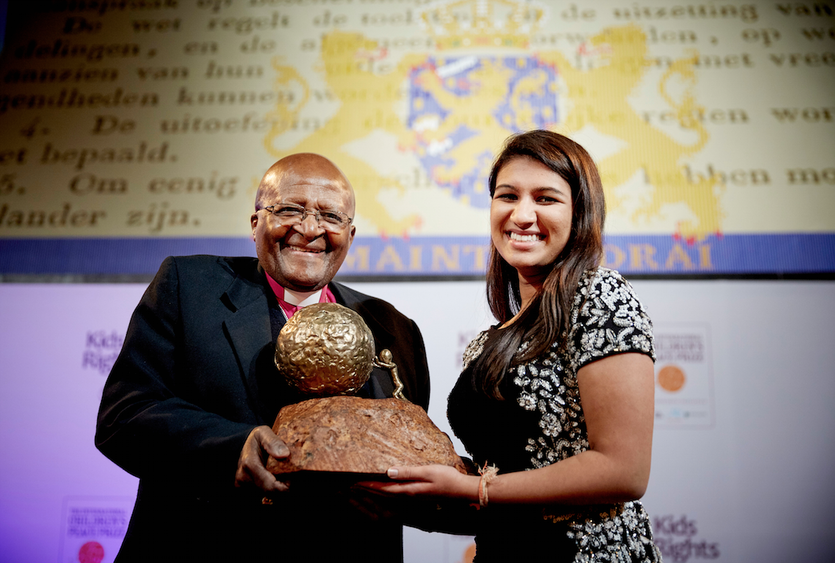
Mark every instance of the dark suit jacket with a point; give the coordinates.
(194, 377)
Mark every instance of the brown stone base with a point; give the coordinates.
(355, 435)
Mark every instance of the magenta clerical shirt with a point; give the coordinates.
(291, 302)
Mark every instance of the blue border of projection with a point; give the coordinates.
(436, 256)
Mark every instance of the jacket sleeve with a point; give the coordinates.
(144, 424)
(418, 381)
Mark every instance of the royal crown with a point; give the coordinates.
(482, 23)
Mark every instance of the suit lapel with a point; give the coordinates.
(248, 328)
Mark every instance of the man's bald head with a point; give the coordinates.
(305, 167)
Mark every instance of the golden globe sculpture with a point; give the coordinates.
(325, 349)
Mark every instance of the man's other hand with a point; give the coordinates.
(260, 444)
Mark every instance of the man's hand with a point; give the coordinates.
(261, 443)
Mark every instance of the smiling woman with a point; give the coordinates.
(555, 402)
(530, 217)
(563, 205)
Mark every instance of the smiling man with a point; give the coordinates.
(189, 404)
(305, 230)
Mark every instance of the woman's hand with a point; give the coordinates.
(427, 480)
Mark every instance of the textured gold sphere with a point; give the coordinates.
(325, 349)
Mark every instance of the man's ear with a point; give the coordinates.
(253, 222)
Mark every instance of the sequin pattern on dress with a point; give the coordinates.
(474, 349)
(606, 318)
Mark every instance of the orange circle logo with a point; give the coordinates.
(671, 378)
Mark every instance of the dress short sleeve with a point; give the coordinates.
(607, 318)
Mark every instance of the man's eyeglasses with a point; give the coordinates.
(293, 214)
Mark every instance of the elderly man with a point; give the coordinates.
(190, 401)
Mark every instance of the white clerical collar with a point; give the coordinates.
(301, 299)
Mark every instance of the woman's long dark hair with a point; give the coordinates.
(546, 319)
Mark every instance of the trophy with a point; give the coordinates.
(326, 351)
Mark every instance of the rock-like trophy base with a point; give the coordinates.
(355, 435)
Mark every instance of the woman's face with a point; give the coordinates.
(530, 216)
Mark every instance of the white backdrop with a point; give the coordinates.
(742, 461)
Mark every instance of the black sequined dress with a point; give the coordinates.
(541, 422)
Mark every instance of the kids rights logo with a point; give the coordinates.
(676, 537)
(101, 349)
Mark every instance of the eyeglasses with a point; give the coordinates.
(293, 214)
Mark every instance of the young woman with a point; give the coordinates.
(558, 395)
